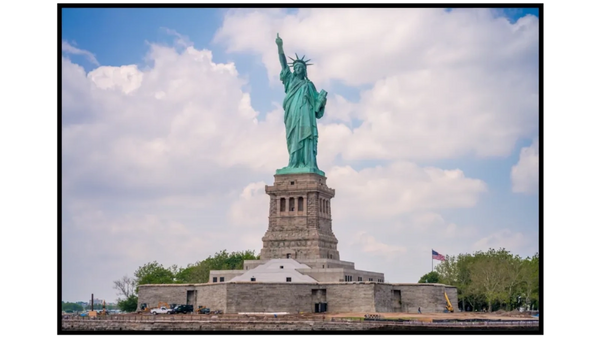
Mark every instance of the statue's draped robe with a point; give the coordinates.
(301, 114)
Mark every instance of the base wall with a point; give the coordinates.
(210, 295)
(429, 297)
(301, 297)
(268, 297)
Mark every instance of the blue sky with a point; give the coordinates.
(451, 107)
(119, 36)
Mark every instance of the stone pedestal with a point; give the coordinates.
(300, 219)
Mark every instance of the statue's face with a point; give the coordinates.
(299, 69)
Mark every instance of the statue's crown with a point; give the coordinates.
(294, 61)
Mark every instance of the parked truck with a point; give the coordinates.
(183, 309)
(146, 308)
(161, 310)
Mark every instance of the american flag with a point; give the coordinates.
(436, 255)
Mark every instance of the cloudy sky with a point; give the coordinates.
(172, 126)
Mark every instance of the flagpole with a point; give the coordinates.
(431, 260)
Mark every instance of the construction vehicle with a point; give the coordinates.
(449, 307)
(97, 313)
(103, 312)
(203, 310)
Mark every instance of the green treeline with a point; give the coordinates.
(490, 280)
(155, 273)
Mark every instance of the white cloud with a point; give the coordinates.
(400, 188)
(69, 49)
(252, 207)
(339, 109)
(166, 126)
(505, 238)
(434, 224)
(182, 40)
(369, 245)
(525, 174)
(118, 241)
(444, 84)
(150, 158)
(403, 250)
(124, 78)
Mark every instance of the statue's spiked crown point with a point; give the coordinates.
(298, 59)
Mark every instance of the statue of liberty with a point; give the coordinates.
(302, 106)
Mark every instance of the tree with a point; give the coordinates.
(448, 270)
(184, 275)
(199, 272)
(99, 307)
(128, 304)
(530, 279)
(235, 260)
(430, 277)
(125, 286)
(455, 270)
(488, 276)
(512, 266)
(153, 273)
(194, 273)
(466, 292)
(492, 278)
(71, 307)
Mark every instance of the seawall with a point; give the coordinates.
(284, 325)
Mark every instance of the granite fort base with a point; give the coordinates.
(300, 268)
(236, 297)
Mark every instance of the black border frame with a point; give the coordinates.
(540, 8)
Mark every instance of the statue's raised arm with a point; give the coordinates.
(279, 43)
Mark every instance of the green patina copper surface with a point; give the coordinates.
(302, 106)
